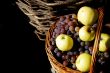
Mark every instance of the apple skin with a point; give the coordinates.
(83, 62)
(87, 15)
(85, 34)
(104, 43)
(64, 42)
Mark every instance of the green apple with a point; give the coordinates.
(104, 43)
(83, 62)
(64, 42)
(86, 33)
(87, 15)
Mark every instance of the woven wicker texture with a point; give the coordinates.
(43, 13)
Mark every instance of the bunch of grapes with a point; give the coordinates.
(68, 24)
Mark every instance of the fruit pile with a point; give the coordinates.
(73, 37)
(103, 58)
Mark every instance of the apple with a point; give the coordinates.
(64, 42)
(83, 62)
(104, 43)
(86, 33)
(87, 15)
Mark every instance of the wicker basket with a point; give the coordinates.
(57, 66)
(42, 13)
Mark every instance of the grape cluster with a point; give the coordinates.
(103, 62)
(68, 24)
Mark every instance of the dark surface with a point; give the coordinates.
(21, 50)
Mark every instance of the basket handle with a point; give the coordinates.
(95, 47)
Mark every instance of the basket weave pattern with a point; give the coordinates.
(43, 13)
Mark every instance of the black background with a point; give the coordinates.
(20, 49)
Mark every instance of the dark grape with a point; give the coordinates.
(101, 71)
(82, 43)
(56, 50)
(68, 32)
(102, 62)
(58, 54)
(87, 43)
(63, 57)
(106, 54)
(94, 26)
(73, 58)
(78, 39)
(75, 52)
(69, 53)
(51, 47)
(81, 49)
(86, 47)
(65, 63)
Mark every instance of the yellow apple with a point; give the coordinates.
(86, 33)
(87, 15)
(104, 43)
(83, 62)
(64, 42)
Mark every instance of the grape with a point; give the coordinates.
(71, 28)
(87, 51)
(74, 16)
(69, 53)
(78, 39)
(82, 43)
(106, 54)
(101, 71)
(67, 20)
(86, 47)
(65, 63)
(64, 57)
(75, 52)
(70, 23)
(74, 66)
(68, 32)
(87, 43)
(56, 50)
(73, 59)
(58, 54)
(53, 43)
(77, 29)
(80, 49)
(62, 30)
(94, 26)
(62, 18)
(53, 35)
(102, 62)
(66, 27)
(51, 47)
(76, 35)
